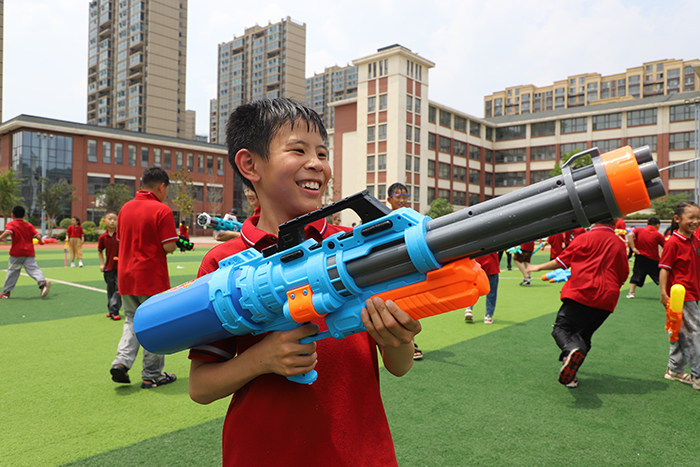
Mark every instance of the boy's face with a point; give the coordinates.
(111, 221)
(293, 179)
(399, 199)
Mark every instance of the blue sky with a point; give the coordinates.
(478, 47)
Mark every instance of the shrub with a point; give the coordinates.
(65, 222)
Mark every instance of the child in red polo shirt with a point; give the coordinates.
(146, 235)
(22, 253)
(75, 237)
(108, 243)
(522, 261)
(680, 264)
(491, 267)
(278, 148)
(599, 267)
(645, 243)
(556, 245)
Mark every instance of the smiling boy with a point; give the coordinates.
(278, 148)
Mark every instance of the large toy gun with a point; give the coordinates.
(426, 266)
(674, 312)
(558, 275)
(217, 223)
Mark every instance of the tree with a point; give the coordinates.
(666, 205)
(183, 190)
(10, 187)
(52, 198)
(113, 196)
(439, 208)
(578, 163)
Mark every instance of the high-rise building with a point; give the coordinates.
(2, 34)
(137, 65)
(265, 62)
(334, 84)
(660, 77)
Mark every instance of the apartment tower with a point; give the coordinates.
(334, 84)
(265, 62)
(137, 65)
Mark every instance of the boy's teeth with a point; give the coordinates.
(311, 185)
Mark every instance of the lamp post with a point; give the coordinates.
(44, 158)
(696, 145)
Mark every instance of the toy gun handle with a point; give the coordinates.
(674, 312)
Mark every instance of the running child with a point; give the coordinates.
(645, 243)
(108, 244)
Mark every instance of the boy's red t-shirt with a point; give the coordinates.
(74, 231)
(681, 257)
(529, 246)
(23, 234)
(489, 264)
(648, 240)
(556, 245)
(599, 267)
(145, 224)
(338, 420)
(109, 244)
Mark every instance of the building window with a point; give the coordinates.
(431, 195)
(416, 106)
(371, 104)
(409, 133)
(682, 171)
(370, 134)
(118, 154)
(445, 118)
(443, 170)
(370, 189)
(460, 123)
(381, 132)
(409, 102)
(220, 166)
(416, 135)
(510, 155)
(605, 122)
(95, 184)
(510, 179)
(444, 194)
(431, 168)
(210, 165)
(445, 144)
(370, 163)
(543, 153)
(682, 112)
(641, 117)
(144, 156)
(489, 133)
(474, 176)
(431, 140)
(178, 160)
(488, 155)
(200, 163)
(459, 198)
(537, 176)
(383, 102)
(190, 162)
(381, 191)
(460, 148)
(543, 129)
(474, 152)
(607, 145)
(640, 141)
(92, 150)
(416, 194)
(157, 160)
(167, 162)
(475, 129)
(381, 162)
(106, 152)
(132, 155)
(432, 114)
(681, 141)
(568, 148)
(459, 173)
(510, 132)
(574, 125)
(409, 163)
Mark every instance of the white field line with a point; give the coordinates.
(80, 286)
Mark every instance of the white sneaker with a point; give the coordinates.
(45, 289)
(80, 265)
(630, 295)
(696, 382)
(488, 320)
(468, 316)
(573, 384)
(72, 265)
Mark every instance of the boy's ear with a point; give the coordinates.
(247, 165)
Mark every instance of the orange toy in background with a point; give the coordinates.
(674, 312)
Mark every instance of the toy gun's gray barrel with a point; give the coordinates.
(574, 199)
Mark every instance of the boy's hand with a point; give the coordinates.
(102, 268)
(664, 298)
(388, 324)
(281, 353)
(532, 268)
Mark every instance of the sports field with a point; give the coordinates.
(484, 395)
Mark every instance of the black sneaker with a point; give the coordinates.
(526, 282)
(572, 362)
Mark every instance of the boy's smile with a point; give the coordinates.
(293, 179)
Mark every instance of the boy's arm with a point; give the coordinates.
(279, 352)
(630, 241)
(663, 285)
(5, 234)
(169, 247)
(393, 330)
(549, 265)
(102, 260)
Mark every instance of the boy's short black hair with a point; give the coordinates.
(609, 221)
(154, 176)
(253, 126)
(18, 211)
(395, 188)
(110, 212)
(653, 221)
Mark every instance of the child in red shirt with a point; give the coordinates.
(22, 253)
(522, 261)
(599, 267)
(645, 243)
(109, 244)
(75, 237)
(680, 264)
(491, 267)
(556, 245)
(278, 148)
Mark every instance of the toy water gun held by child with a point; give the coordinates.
(558, 275)
(674, 312)
(514, 250)
(426, 266)
(217, 223)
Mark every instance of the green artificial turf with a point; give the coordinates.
(482, 395)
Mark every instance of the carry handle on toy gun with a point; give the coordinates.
(426, 266)
(558, 275)
(217, 223)
(674, 312)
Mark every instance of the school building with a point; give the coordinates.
(392, 132)
(91, 157)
